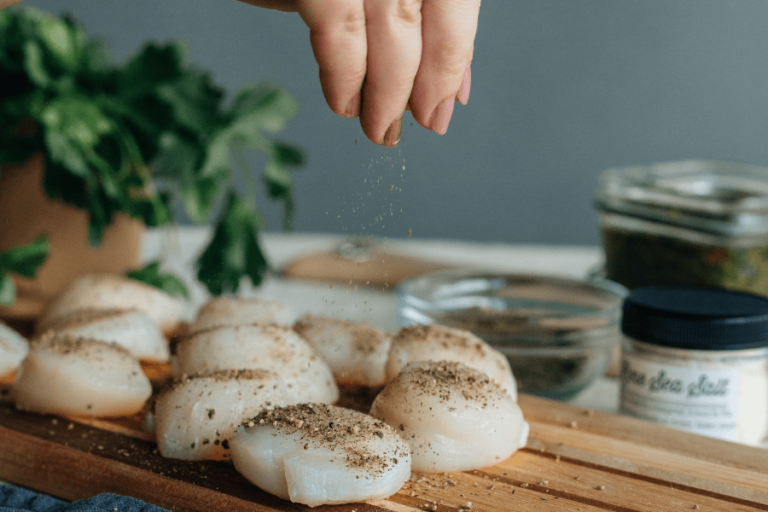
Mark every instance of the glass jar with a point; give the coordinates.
(558, 334)
(693, 222)
(696, 359)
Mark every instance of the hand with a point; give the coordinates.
(379, 58)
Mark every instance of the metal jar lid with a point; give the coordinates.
(710, 196)
(696, 318)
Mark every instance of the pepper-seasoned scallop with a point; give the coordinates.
(241, 311)
(109, 291)
(77, 376)
(355, 352)
(319, 454)
(13, 349)
(196, 416)
(442, 343)
(453, 417)
(130, 328)
(259, 346)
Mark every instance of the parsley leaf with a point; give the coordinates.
(25, 260)
(22, 260)
(234, 251)
(7, 290)
(150, 274)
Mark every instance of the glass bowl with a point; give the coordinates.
(559, 334)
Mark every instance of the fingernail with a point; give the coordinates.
(353, 108)
(392, 136)
(442, 116)
(466, 84)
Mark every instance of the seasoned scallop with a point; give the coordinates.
(241, 311)
(442, 343)
(319, 454)
(75, 376)
(131, 329)
(13, 350)
(355, 352)
(264, 346)
(453, 417)
(108, 291)
(196, 416)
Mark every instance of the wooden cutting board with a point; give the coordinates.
(380, 269)
(575, 460)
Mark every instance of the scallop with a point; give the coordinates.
(81, 377)
(442, 343)
(319, 454)
(13, 350)
(355, 352)
(259, 346)
(453, 417)
(131, 329)
(241, 311)
(195, 417)
(108, 291)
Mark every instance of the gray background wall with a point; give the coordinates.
(561, 90)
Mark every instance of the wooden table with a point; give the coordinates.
(575, 459)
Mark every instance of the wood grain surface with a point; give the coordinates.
(380, 269)
(575, 459)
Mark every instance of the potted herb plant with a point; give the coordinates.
(115, 148)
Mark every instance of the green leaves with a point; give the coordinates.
(76, 121)
(103, 127)
(63, 40)
(23, 260)
(234, 251)
(7, 290)
(151, 275)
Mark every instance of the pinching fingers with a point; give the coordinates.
(338, 36)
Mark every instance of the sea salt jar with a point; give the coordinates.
(696, 359)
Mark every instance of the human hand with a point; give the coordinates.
(378, 58)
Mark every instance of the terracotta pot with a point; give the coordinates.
(26, 213)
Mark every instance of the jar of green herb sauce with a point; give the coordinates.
(694, 222)
(696, 359)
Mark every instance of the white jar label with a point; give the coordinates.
(700, 400)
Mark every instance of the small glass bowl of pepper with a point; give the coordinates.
(558, 334)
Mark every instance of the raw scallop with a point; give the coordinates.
(268, 347)
(108, 291)
(13, 350)
(355, 352)
(453, 417)
(319, 454)
(441, 343)
(241, 311)
(75, 376)
(131, 329)
(195, 417)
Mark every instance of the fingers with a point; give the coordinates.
(394, 52)
(338, 34)
(444, 75)
(378, 58)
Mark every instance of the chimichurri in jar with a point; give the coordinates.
(693, 223)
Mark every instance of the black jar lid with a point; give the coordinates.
(696, 318)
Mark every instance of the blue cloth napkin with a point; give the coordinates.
(16, 499)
